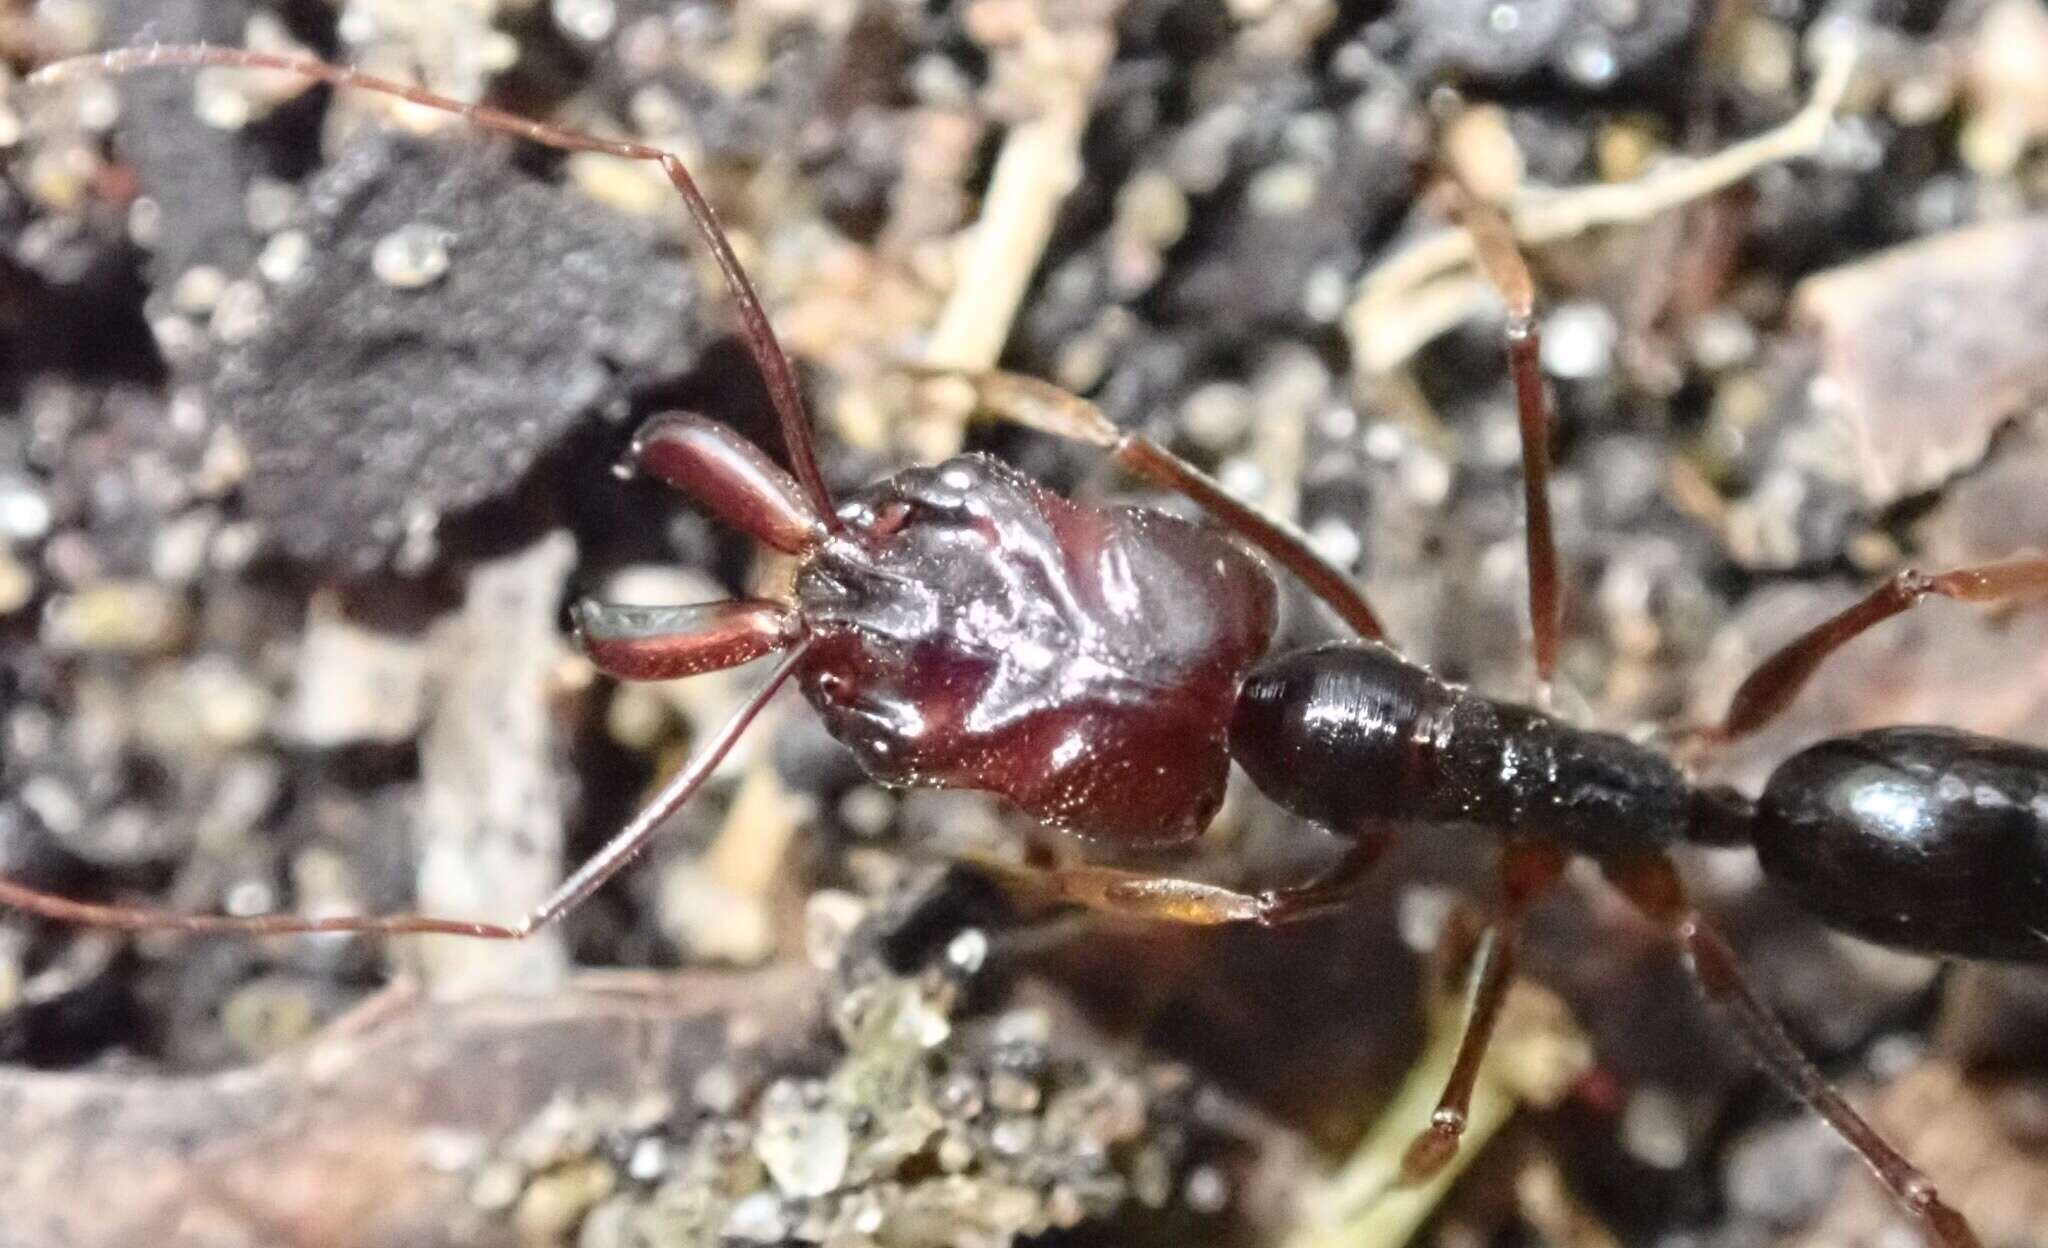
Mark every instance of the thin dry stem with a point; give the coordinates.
(1540, 215)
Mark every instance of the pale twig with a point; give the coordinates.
(1040, 162)
(1540, 215)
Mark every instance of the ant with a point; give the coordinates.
(1102, 667)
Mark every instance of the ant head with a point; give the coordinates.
(971, 629)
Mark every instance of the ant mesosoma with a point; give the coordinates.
(1102, 667)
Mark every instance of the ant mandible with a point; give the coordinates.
(1102, 667)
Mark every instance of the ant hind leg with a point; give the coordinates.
(1501, 261)
(1652, 885)
(1778, 679)
(1527, 870)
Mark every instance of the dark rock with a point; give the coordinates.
(370, 410)
(1582, 42)
(195, 173)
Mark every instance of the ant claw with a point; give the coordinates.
(1433, 1148)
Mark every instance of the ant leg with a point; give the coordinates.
(1040, 405)
(586, 880)
(1173, 900)
(776, 371)
(1778, 679)
(1652, 884)
(1527, 869)
(1501, 260)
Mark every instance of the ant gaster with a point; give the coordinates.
(1101, 667)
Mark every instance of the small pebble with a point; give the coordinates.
(805, 1150)
(715, 923)
(447, 1151)
(24, 512)
(1784, 1172)
(647, 1160)
(13, 944)
(1653, 1129)
(1012, 1093)
(556, 1201)
(868, 810)
(114, 617)
(757, 1219)
(412, 256)
(17, 583)
(1207, 1190)
(587, 20)
(283, 256)
(496, 1186)
(267, 1017)
(968, 950)
(1014, 1136)
(716, 1089)
(1579, 340)
(241, 313)
(209, 704)
(1217, 416)
(353, 685)
(830, 915)
(198, 290)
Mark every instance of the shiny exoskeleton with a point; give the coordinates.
(1100, 667)
(1927, 839)
(973, 629)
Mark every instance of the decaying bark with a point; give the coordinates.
(357, 1137)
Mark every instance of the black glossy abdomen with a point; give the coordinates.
(1350, 734)
(1920, 838)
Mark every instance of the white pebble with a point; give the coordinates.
(411, 256)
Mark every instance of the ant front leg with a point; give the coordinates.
(1042, 406)
(1778, 679)
(1527, 870)
(1652, 884)
(1170, 899)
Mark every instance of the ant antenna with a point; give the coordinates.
(776, 371)
(587, 879)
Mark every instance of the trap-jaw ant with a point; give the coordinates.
(1101, 667)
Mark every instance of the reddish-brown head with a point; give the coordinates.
(971, 629)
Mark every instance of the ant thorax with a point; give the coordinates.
(972, 629)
